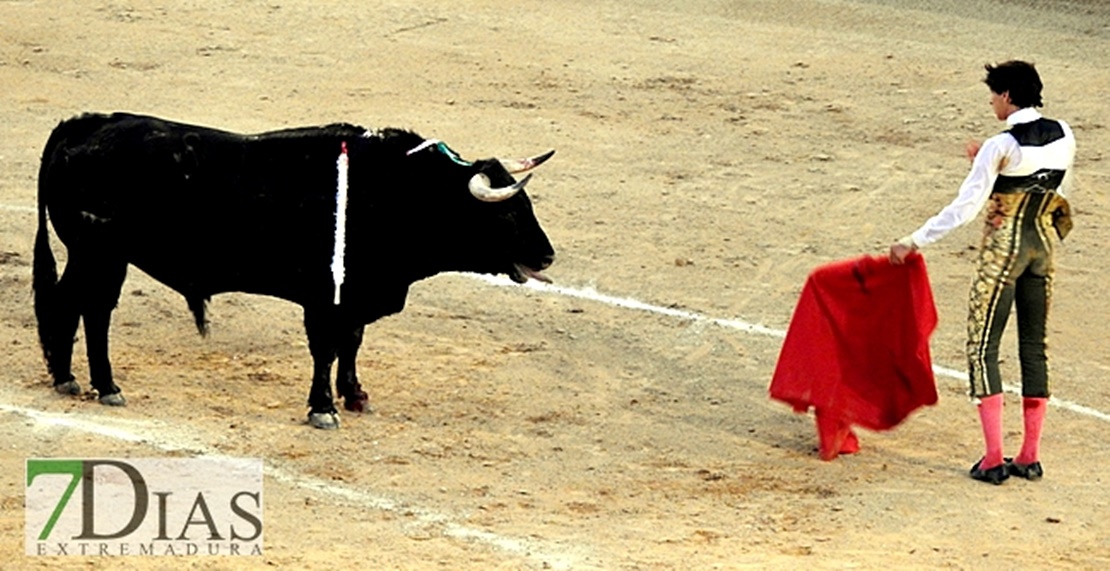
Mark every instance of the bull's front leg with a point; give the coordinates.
(319, 324)
(346, 379)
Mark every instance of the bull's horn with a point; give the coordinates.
(517, 166)
(480, 188)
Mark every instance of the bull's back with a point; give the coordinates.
(202, 210)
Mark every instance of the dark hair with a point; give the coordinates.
(1017, 77)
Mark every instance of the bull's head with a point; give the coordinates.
(493, 183)
(481, 189)
(488, 224)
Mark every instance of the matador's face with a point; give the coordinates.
(1001, 104)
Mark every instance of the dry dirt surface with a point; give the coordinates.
(711, 153)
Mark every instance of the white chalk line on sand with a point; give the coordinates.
(158, 435)
(628, 303)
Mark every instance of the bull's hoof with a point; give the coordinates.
(360, 403)
(114, 399)
(324, 420)
(68, 388)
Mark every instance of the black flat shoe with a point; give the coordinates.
(1032, 471)
(995, 475)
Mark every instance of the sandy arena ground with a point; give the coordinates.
(710, 154)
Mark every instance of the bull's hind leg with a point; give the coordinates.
(318, 324)
(346, 378)
(97, 321)
(94, 283)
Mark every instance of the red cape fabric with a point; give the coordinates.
(857, 349)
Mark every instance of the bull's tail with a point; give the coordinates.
(45, 268)
(44, 278)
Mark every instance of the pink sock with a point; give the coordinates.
(1033, 409)
(990, 416)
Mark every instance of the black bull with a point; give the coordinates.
(207, 211)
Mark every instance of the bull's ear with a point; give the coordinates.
(481, 189)
(517, 166)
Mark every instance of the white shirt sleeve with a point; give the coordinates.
(1067, 186)
(974, 191)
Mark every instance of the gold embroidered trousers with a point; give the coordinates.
(1015, 269)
